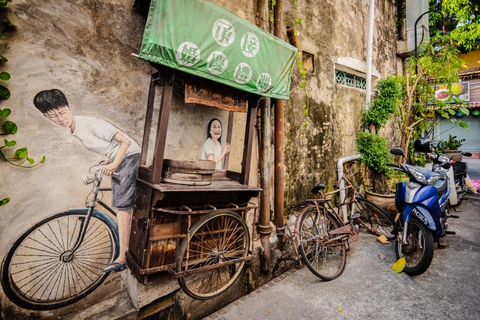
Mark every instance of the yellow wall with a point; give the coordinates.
(472, 59)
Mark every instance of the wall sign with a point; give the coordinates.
(203, 39)
(202, 91)
(460, 90)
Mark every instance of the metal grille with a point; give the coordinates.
(350, 80)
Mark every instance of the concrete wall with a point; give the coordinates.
(84, 48)
(335, 32)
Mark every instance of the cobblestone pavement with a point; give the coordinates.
(369, 289)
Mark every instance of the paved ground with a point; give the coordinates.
(368, 289)
(473, 168)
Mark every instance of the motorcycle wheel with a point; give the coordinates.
(418, 251)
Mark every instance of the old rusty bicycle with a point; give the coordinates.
(59, 260)
(323, 237)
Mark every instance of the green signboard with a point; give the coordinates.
(203, 39)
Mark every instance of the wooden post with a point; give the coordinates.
(247, 149)
(162, 127)
(229, 138)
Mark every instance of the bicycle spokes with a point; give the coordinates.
(45, 272)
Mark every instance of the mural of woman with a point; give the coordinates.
(212, 147)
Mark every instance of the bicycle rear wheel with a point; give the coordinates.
(214, 240)
(326, 258)
(374, 218)
(37, 272)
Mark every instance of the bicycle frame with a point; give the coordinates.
(344, 203)
(90, 210)
(346, 227)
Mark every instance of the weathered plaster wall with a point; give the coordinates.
(332, 31)
(84, 48)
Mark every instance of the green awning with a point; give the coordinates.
(203, 39)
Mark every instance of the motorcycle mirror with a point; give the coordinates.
(446, 165)
(396, 151)
(422, 145)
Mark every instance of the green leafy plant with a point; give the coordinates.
(20, 157)
(461, 19)
(374, 148)
(375, 155)
(452, 143)
(384, 104)
(439, 63)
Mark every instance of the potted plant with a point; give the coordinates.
(451, 147)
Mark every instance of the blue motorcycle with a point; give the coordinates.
(423, 206)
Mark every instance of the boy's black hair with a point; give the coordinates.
(48, 100)
(210, 125)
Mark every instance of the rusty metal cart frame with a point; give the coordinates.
(167, 216)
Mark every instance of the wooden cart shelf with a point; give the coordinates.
(216, 186)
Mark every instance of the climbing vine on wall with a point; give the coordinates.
(298, 43)
(20, 157)
(302, 71)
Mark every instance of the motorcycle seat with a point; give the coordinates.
(459, 168)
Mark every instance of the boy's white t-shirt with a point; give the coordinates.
(97, 136)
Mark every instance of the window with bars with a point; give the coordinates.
(350, 80)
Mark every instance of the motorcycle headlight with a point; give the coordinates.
(418, 176)
(443, 158)
(433, 179)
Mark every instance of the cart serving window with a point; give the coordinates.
(190, 214)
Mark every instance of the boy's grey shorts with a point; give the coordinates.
(123, 188)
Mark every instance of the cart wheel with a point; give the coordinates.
(214, 240)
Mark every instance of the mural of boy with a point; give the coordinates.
(121, 154)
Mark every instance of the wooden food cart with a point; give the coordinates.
(188, 218)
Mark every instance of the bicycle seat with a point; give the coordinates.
(317, 188)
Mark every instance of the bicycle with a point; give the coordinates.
(60, 259)
(323, 238)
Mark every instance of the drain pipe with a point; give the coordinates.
(368, 89)
(340, 163)
(265, 175)
(279, 148)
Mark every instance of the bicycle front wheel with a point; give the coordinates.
(39, 272)
(326, 258)
(215, 242)
(374, 218)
